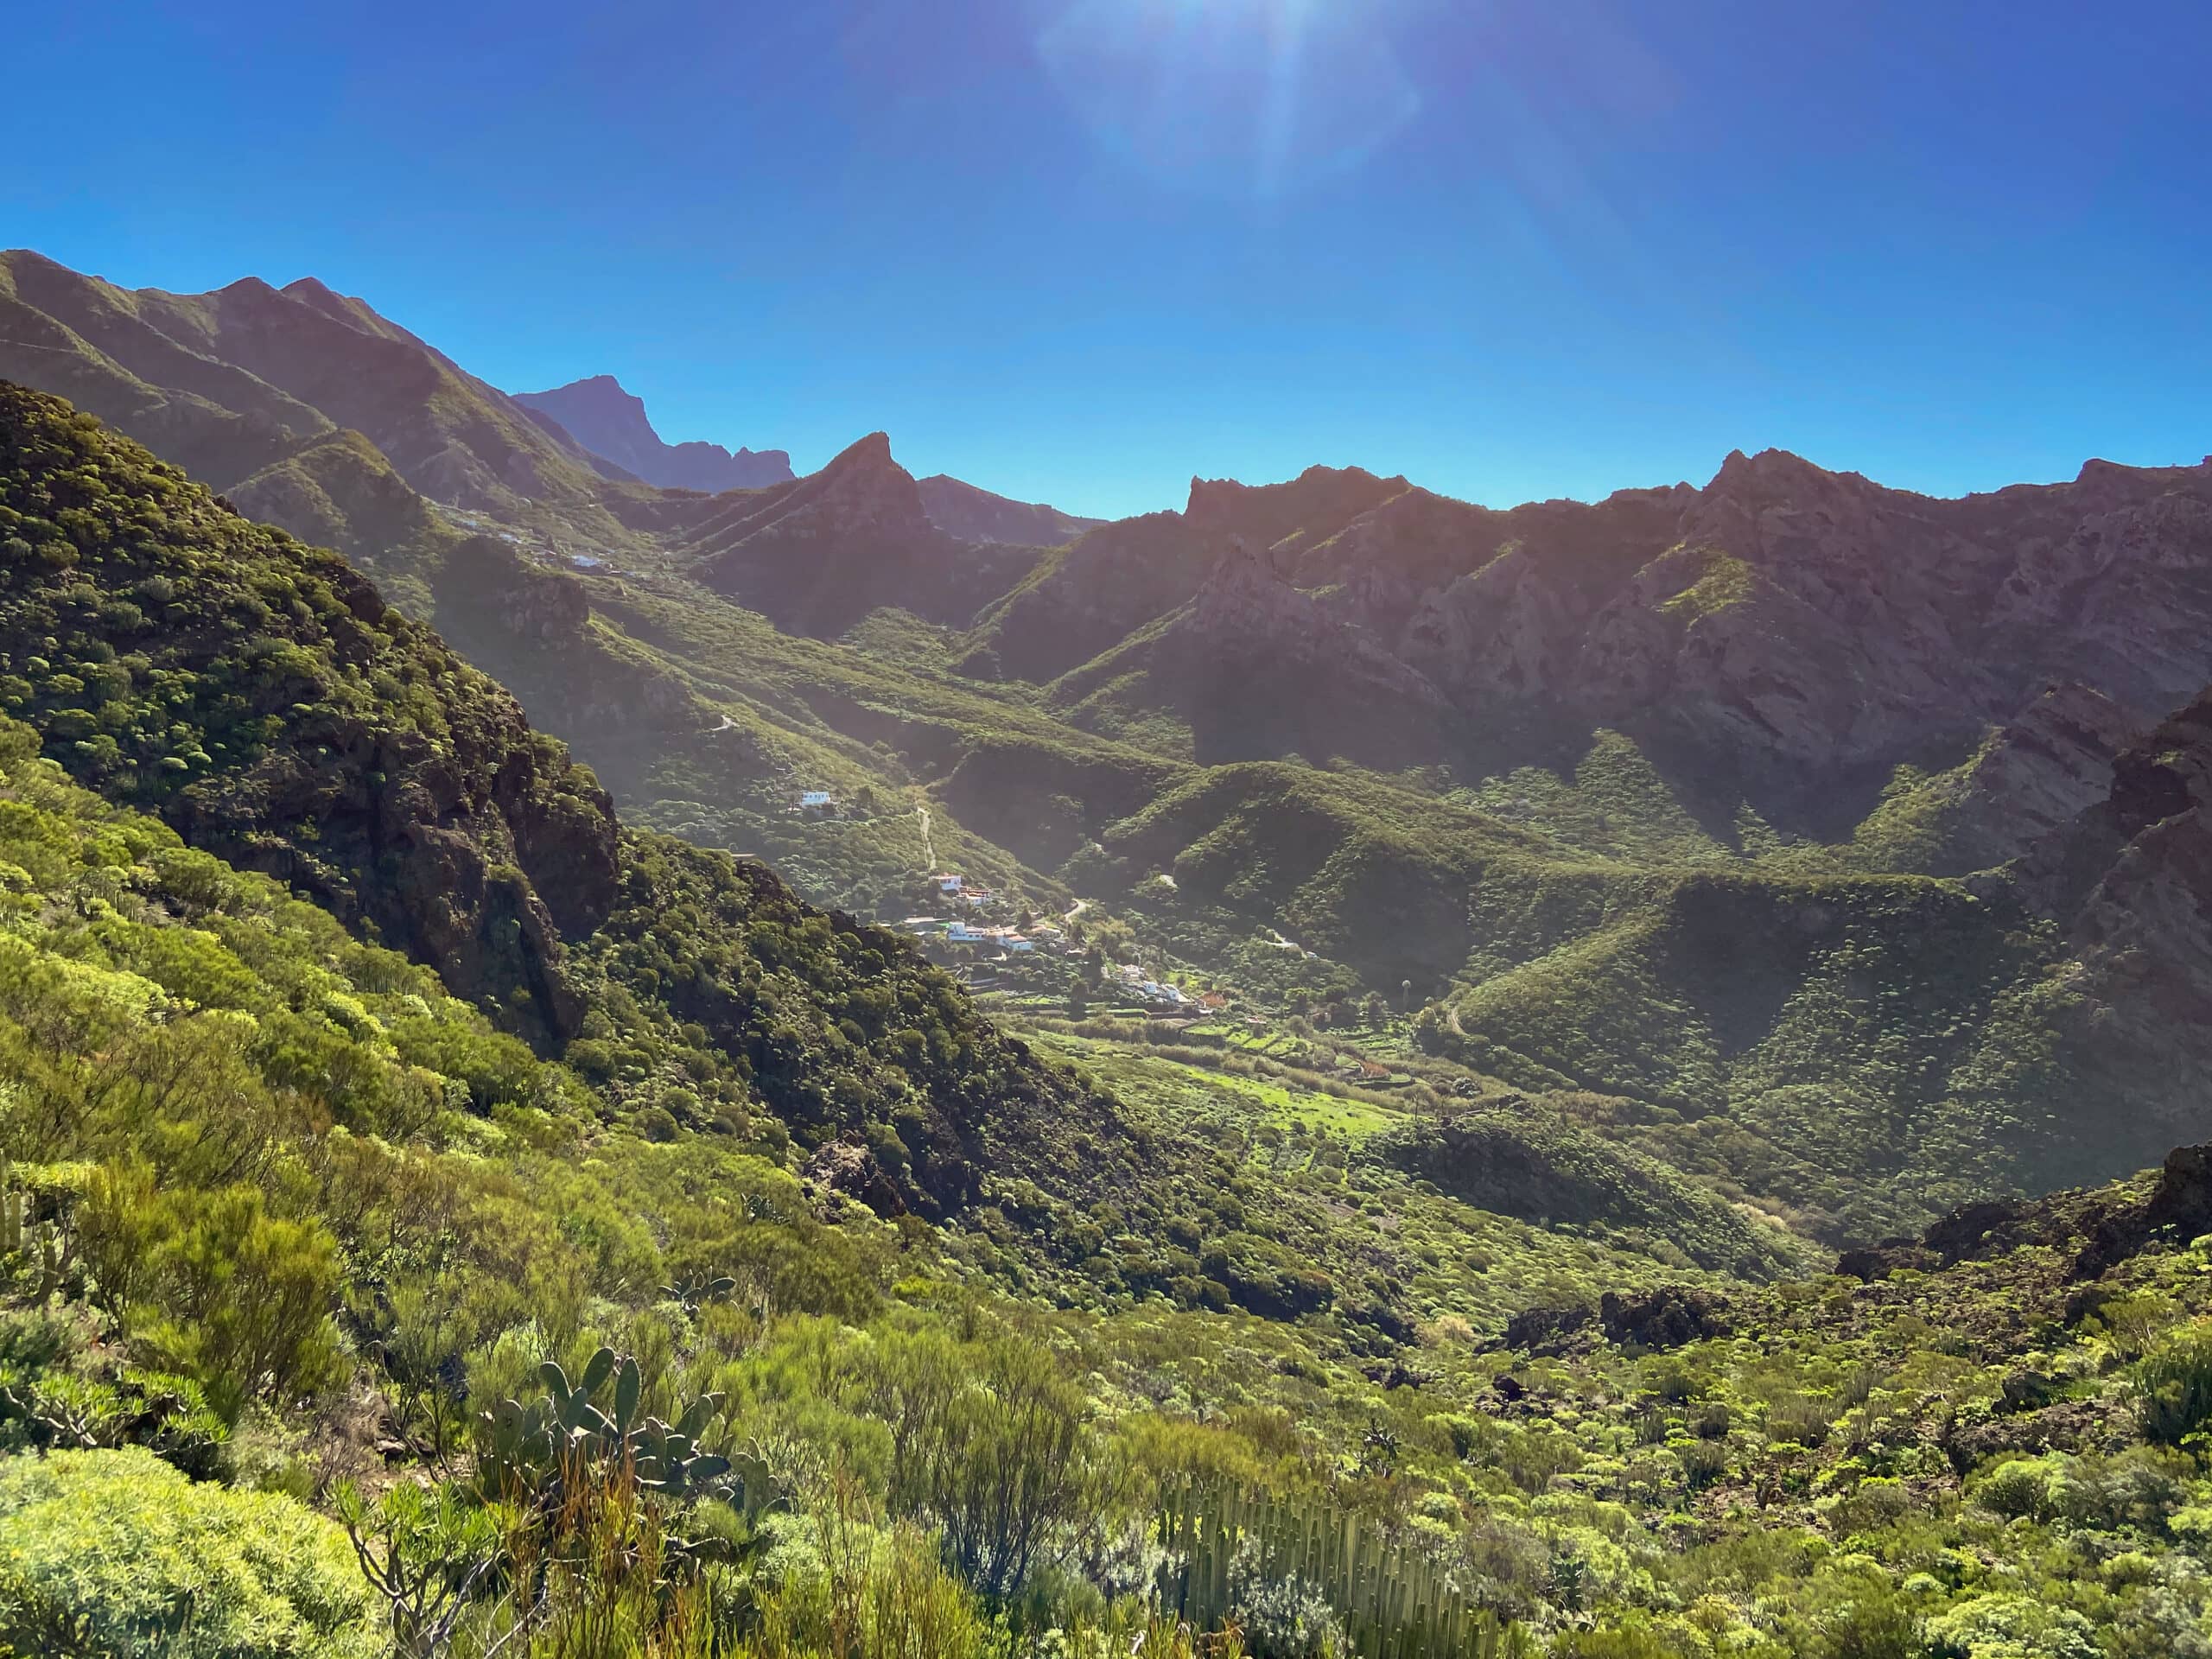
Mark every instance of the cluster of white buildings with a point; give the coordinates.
(955, 890)
(1152, 990)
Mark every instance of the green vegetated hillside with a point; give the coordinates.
(798, 1426)
(260, 698)
(1538, 726)
(274, 711)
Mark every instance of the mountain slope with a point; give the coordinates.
(240, 378)
(262, 699)
(817, 555)
(610, 423)
(973, 515)
(1771, 699)
(1082, 601)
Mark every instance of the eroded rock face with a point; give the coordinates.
(1804, 621)
(847, 1166)
(1668, 1317)
(2099, 1228)
(1786, 622)
(2134, 880)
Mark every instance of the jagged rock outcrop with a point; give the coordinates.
(611, 422)
(847, 1166)
(1094, 595)
(1668, 1317)
(1784, 632)
(2101, 1227)
(2048, 766)
(2132, 879)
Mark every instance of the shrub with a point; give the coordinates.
(1283, 1618)
(117, 1553)
(2010, 1627)
(1875, 1626)
(2173, 1384)
(840, 1585)
(991, 1441)
(239, 1298)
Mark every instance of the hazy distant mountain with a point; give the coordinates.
(612, 423)
(976, 515)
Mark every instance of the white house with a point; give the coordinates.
(962, 933)
(814, 797)
(946, 883)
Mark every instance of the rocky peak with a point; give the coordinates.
(1213, 497)
(611, 422)
(607, 398)
(312, 291)
(870, 454)
(251, 291)
(1268, 511)
(863, 486)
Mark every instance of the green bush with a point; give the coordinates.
(2173, 1384)
(232, 1296)
(2010, 1627)
(116, 1553)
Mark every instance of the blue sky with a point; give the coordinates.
(1079, 250)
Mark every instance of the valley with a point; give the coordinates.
(1612, 1044)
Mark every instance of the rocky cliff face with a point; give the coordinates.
(1257, 668)
(1123, 575)
(1787, 623)
(612, 423)
(2133, 880)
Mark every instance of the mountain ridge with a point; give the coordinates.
(598, 413)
